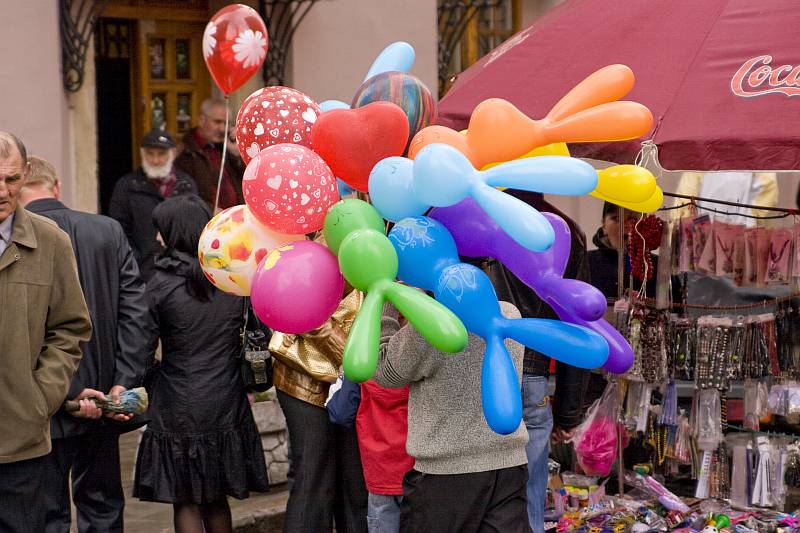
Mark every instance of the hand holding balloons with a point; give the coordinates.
(576, 302)
(441, 176)
(369, 263)
(590, 112)
(428, 258)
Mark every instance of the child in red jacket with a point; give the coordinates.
(382, 427)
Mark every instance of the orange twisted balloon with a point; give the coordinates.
(590, 112)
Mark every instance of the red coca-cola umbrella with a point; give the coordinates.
(720, 77)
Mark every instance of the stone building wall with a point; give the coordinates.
(274, 437)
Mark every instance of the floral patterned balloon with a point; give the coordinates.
(231, 246)
(289, 188)
(234, 46)
(274, 115)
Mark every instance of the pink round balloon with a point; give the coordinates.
(297, 287)
(289, 189)
(274, 115)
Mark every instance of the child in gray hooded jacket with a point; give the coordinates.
(466, 477)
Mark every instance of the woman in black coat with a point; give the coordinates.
(603, 261)
(201, 444)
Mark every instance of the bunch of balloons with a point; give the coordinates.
(302, 157)
(575, 302)
(293, 156)
(429, 259)
(459, 173)
(355, 231)
(442, 176)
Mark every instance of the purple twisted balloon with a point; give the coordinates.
(576, 302)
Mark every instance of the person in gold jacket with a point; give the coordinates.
(43, 318)
(327, 483)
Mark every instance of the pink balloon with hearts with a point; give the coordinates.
(289, 188)
(274, 115)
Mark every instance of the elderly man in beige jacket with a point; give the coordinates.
(43, 318)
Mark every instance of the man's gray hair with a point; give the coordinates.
(210, 103)
(42, 172)
(8, 142)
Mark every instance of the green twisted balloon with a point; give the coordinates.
(368, 261)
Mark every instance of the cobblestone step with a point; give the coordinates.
(262, 513)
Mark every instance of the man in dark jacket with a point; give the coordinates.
(570, 381)
(202, 154)
(138, 193)
(113, 361)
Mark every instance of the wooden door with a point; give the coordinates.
(173, 78)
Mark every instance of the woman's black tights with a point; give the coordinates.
(212, 517)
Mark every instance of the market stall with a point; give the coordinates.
(710, 406)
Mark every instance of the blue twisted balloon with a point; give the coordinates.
(428, 258)
(442, 176)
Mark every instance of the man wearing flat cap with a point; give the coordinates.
(138, 193)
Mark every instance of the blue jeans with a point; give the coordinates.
(539, 421)
(383, 513)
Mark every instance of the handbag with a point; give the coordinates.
(318, 353)
(255, 359)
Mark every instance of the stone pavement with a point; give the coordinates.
(262, 513)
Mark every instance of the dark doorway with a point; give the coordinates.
(113, 61)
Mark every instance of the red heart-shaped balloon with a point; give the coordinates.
(352, 141)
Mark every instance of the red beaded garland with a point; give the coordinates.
(649, 227)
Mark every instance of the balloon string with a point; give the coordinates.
(643, 289)
(224, 153)
(647, 157)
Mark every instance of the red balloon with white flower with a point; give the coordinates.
(289, 188)
(234, 46)
(274, 115)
